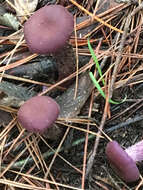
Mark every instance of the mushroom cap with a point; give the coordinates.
(136, 151)
(48, 29)
(38, 113)
(122, 163)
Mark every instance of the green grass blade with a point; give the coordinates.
(96, 61)
(95, 82)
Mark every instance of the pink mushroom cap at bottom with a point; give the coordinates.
(121, 162)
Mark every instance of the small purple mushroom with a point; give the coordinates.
(124, 161)
(48, 29)
(136, 151)
(38, 113)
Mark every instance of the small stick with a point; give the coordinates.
(118, 58)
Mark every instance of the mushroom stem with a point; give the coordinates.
(136, 151)
(66, 63)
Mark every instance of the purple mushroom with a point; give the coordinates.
(136, 151)
(38, 113)
(124, 161)
(48, 29)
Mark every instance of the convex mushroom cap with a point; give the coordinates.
(38, 113)
(48, 29)
(123, 164)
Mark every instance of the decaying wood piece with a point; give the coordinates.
(42, 68)
(69, 106)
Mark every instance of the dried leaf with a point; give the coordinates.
(13, 95)
(10, 21)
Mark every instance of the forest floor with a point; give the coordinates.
(72, 156)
